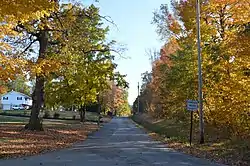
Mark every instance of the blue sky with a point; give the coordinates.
(135, 31)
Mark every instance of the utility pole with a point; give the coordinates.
(138, 101)
(199, 72)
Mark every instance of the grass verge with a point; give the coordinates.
(219, 147)
(16, 142)
(64, 115)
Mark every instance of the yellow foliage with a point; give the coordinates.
(12, 13)
(43, 67)
(10, 67)
(25, 10)
(225, 66)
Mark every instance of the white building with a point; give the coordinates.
(13, 98)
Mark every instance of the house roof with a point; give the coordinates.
(17, 92)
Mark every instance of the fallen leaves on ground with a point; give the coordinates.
(221, 154)
(16, 142)
(227, 151)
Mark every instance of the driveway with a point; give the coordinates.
(119, 142)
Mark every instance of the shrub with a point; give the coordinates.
(46, 114)
(4, 113)
(25, 112)
(56, 115)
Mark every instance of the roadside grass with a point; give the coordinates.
(17, 142)
(10, 119)
(91, 116)
(219, 146)
(15, 112)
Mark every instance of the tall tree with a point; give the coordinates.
(11, 14)
(56, 35)
(90, 63)
(226, 83)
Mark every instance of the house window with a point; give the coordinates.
(5, 98)
(19, 98)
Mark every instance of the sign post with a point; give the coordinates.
(191, 128)
(192, 105)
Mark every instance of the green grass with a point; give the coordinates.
(70, 114)
(24, 120)
(63, 114)
(167, 128)
(10, 119)
(92, 116)
(14, 112)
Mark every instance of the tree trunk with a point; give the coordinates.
(35, 122)
(82, 113)
(99, 109)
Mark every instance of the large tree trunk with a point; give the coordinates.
(38, 94)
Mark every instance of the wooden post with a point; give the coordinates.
(199, 73)
(191, 128)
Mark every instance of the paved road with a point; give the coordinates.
(119, 142)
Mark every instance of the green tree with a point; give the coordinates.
(89, 67)
(19, 84)
(71, 44)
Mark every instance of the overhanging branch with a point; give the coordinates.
(29, 45)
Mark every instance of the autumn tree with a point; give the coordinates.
(3, 87)
(226, 86)
(89, 67)
(55, 31)
(115, 99)
(11, 14)
(123, 108)
(225, 68)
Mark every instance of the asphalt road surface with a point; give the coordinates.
(119, 142)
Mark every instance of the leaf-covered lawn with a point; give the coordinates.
(218, 147)
(16, 142)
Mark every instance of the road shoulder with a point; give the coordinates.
(211, 151)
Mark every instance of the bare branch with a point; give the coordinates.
(109, 19)
(29, 45)
(96, 50)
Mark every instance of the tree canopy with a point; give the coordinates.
(63, 47)
(225, 63)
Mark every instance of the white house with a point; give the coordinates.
(14, 99)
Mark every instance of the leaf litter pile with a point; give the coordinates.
(16, 142)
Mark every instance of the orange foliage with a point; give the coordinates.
(3, 89)
(170, 48)
(10, 67)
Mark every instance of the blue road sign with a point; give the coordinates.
(192, 105)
